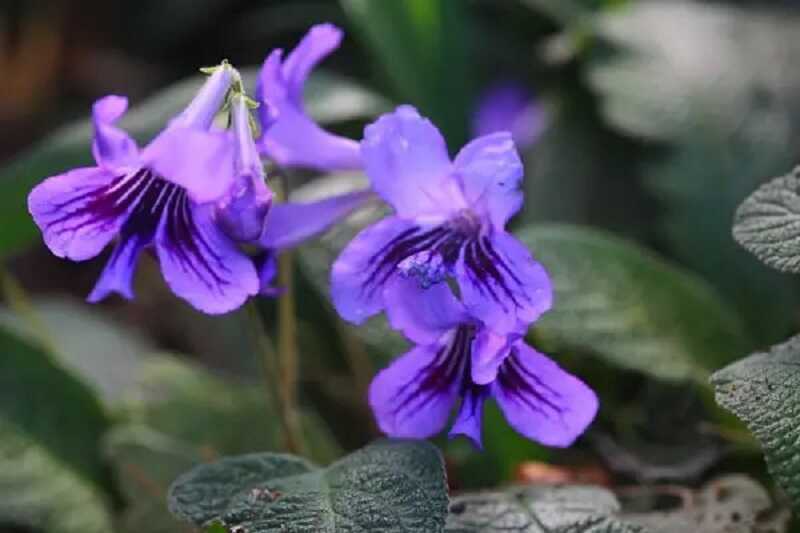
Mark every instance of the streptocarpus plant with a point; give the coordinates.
(197, 196)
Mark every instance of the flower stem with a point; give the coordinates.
(288, 356)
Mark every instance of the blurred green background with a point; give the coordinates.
(660, 118)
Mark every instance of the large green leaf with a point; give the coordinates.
(625, 304)
(763, 390)
(51, 473)
(538, 510)
(181, 416)
(718, 84)
(389, 486)
(329, 98)
(768, 223)
(424, 47)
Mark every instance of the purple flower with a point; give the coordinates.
(242, 211)
(449, 222)
(290, 224)
(509, 107)
(162, 196)
(457, 357)
(294, 139)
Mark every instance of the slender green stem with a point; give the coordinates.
(269, 357)
(289, 356)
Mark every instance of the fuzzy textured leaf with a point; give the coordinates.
(389, 486)
(768, 223)
(625, 304)
(533, 509)
(763, 390)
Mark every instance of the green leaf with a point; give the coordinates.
(763, 390)
(538, 510)
(424, 48)
(182, 416)
(625, 304)
(106, 354)
(719, 84)
(51, 473)
(768, 223)
(330, 98)
(388, 486)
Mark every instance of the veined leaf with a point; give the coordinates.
(623, 303)
(389, 486)
(768, 223)
(763, 390)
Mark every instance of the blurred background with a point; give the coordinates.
(643, 125)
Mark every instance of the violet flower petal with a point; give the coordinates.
(509, 107)
(360, 273)
(290, 224)
(501, 284)
(413, 397)
(117, 276)
(292, 138)
(490, 171)
(489, 350)
(80, 211)
(423, 315)
(540, 400)
(406, 160)
(208, 101)
(469, 422)
(112, 147)
(201, 162)
(199, 262)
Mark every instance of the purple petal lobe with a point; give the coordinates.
(290, 224)
(79, 212)
(290, 137)
(406, 160)
(501, 284)
(201, 162)
(490, 171)
(360, 273)
(117, 276)
(470, 415)
(423, 315)
(267, 265)
(112, 147)
(509, 107)
(199, 262)
(315, 46)
(489, 350)
(542, 401)
(414, 396)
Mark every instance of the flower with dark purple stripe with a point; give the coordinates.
(291, 224)
(449, 219)
(294, 139)
(163, 196)
(458, 358)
